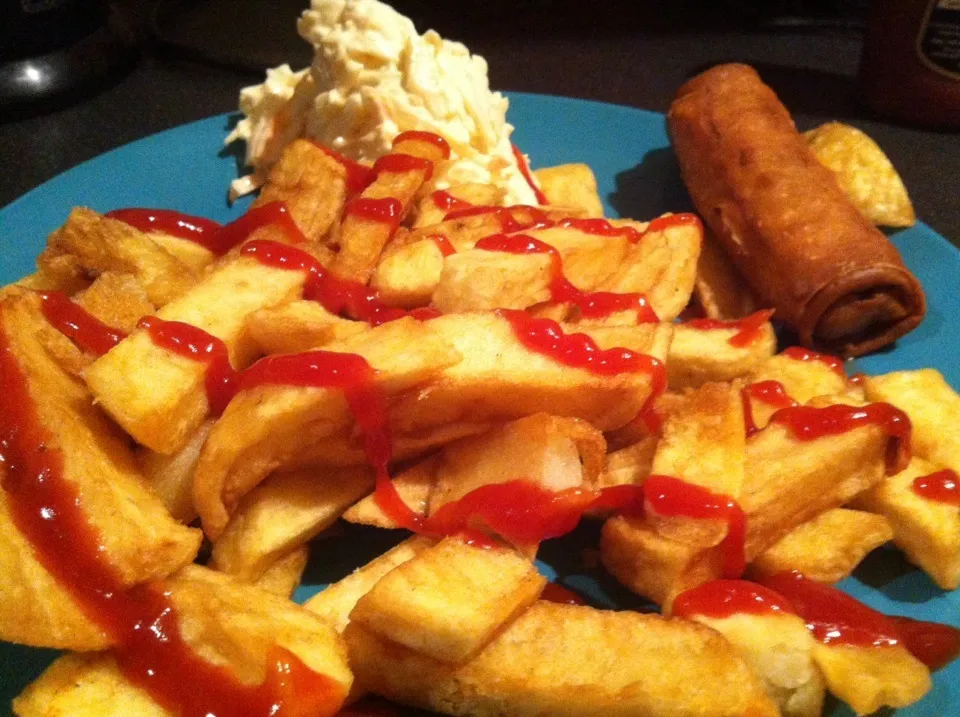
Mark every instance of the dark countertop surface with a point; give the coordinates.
(633, 63)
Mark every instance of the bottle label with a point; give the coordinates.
(938, 43)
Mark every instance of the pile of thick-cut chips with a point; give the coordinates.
(502, 431)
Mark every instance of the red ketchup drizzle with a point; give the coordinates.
(601, 227)
(443, 244)
(77, 324)
(836, 618)
(387, 210)
(399, 163)
(525, 171)
(725, 598)
(421, 136)
(449, 203)
(942, 487)
(141, 622)
(934, 644)
(770, 392)
(807, 423)
(197, 345)
(857, 379)
(196, 229)
(674, 220)
(359, 176)
(749, 328)
(545, 336)
(273, 214)
(336, 295)
(590, 304)
(670, 497)
(798, 353)
(552, 592)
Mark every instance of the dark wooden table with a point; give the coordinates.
(612, 56)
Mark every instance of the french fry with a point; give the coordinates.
(449, 601)
(788, 482)
(720, 289)
(85, 685)
(118, 300)
(335, 603)
(498, 378)
(409, 276)
(414, 486)
(555, 453)
(228, 623)
(928, 531)
(298, 326)
(171, 476)
(362, 239)
(651, 564)
(429, 212)
(933, 407)
(802, 380)
(779, 649)
(283, 577)
(158, 396)
(828, 547)
(282, 513)
(264, 426)
(311, 183)
(571, 185)
(569, 661)
(477, 280)
(630, 465)
(663, 267)
(868, 678)
(698, 356)
(138, 538)
(703, 444)
(90, 244)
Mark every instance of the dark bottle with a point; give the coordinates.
(910, 67)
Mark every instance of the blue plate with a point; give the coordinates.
(186, 169)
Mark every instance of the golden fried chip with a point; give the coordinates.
(335, 603)
(571, 185)
(284, 512)
(570, 661)
(448, 601)
(828, 547)
(138, 538)
(864, 173)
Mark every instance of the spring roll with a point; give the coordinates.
(783, 219)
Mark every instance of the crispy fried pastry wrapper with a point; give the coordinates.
(783, 219)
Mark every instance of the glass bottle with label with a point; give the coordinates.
(910, 67)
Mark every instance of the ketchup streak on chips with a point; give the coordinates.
(525, 171)
(836, 618)
(449, 203)
(400, 163)
(724, 598)
(942, 486)
(77, 324)
(590, 304)
(183, 226)
(748, 329)
(770, 392)
(220, 379)
(142, 622)
(806, 423)
(359, 176)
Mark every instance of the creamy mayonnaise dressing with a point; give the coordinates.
(372, 77)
